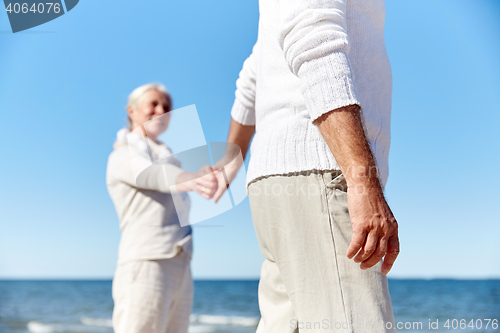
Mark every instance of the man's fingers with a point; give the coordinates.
(209, 175)
(358, 239)
(208, 179)
(218, 194)
(206, 169)
(377, 255)
(208, 184)
(368, 248)
(222, 185)
(392, 254)
(205, 187)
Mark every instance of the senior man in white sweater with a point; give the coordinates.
(317, 92)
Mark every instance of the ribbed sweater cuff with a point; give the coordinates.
(327, 84)
(242, 114)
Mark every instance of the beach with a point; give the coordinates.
(220, 306)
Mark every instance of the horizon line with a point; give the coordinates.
(458, 278)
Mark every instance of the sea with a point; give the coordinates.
(220, 306)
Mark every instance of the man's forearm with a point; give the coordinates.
(230, 164)
(343, 131)
(240, 135)
(375, 230)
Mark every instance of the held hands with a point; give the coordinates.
(204, 182)
(212, 182)
(375, 230)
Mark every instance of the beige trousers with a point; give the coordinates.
(153, 296)
(307, 282)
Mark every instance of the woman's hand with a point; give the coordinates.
(203, 182)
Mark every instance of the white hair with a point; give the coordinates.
(135, 96)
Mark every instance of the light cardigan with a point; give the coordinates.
(149, 224)
(311, 57)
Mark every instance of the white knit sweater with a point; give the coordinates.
(149, 220)
(311, 57)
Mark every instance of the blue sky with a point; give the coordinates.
(63, 88)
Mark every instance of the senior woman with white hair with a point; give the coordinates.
(152, 286)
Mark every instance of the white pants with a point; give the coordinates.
(153, 296)
(307, 283)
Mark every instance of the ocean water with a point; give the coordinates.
(232, 306)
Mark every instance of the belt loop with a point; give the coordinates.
(333, 175)
(327, 177)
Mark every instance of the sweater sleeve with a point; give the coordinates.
(138, 171)
(313, 37)
(243, 110)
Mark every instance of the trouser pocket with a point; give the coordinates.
(335, 180)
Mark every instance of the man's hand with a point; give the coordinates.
(204, 182)
(375, 230)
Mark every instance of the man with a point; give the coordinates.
(317, 90)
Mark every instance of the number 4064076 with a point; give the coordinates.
(35, 8)
(473, 324)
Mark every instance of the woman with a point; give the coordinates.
(152, 286)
